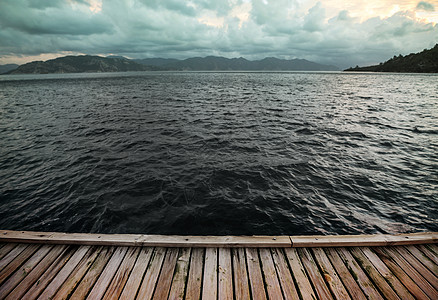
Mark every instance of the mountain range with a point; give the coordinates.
(88, 63)
(422, 62)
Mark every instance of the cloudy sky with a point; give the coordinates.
(359, 32)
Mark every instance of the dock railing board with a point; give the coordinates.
(216, 241)
(51, 265)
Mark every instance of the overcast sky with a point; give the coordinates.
(358, 32)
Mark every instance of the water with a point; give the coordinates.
(219, 153)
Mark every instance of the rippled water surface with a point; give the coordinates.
(219, 153)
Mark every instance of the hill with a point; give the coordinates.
(88, 63)
(217, 63)
(423, 62)
(79, 64)
(7, 68)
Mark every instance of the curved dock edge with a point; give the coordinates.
(217, 241)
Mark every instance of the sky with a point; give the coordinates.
(340, 33)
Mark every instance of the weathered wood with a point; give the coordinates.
(93, 273)
(355, 280)
(117, 284)
(329, 273)
(22, 272)
(418, 266)
(142, 240)
(429, 254)
(59, 279)
(209, 287)
(165, 280)
(51, 272)
(388, 274)
(150, 279)
(194, 282)
(225, 288)
(36, 273)
(378, 272)
(108, 273)
(17, 261)
(364, 240)
(400, 267)
(76, 275)
(255, 274)
(303, 283)
(12, 255)
(6, 249)
(285, 278)
(270, 273)
(134, 281)
(241, 283)
(314, 275)
(181, 272)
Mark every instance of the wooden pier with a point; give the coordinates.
(39, 265)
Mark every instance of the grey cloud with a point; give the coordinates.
(171, 29)
(425, 6)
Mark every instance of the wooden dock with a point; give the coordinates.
(39, 265)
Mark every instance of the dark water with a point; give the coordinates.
(219, 153)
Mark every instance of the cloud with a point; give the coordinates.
(254, 29)
(425, 6)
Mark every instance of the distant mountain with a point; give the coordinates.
(216, 63)
(80, 64)
(7, 68)
(157, 62)
(423, 62)
(88, 63)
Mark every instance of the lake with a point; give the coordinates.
(219, 153)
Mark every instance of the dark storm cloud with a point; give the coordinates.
(425, 6)
(172, 28)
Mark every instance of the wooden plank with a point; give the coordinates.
(422, 257)
(6, 249)
(45, 279)
(241, 283)
(116, 286)
(431, 255)
(93, 273)
(134, 281)
(108, 273)
(284, 275)
(255, 274)
(181, 272)
(22, 272)
(329, 274)
(303, 283)
(225, 274)
(12, 255)
(166, 275)
(76, 275)
(270, 273)
(418, 266)
(314, 275)
(143, 240)
(364, 240)
(59, 279)
(358, 281)
(36, 273)
(148, 286)
(401, 268)
(380, 274)
(209, 289)
(388, 275)
(17, 262)
(194, 282)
